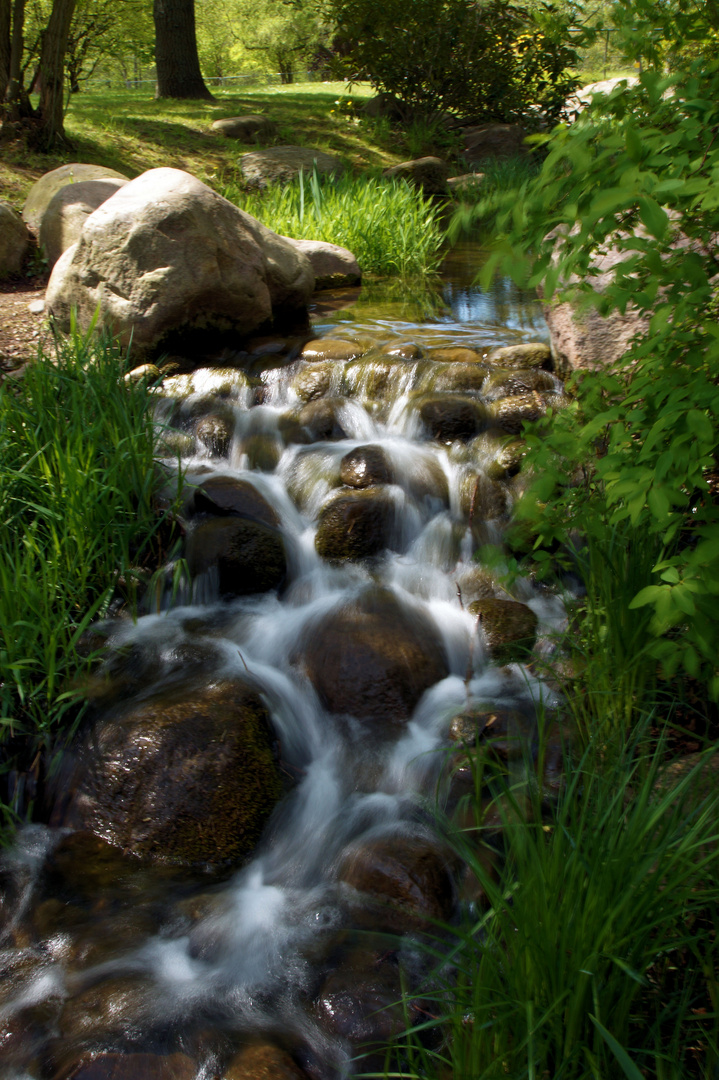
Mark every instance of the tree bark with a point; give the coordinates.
(178, 65)
(4, 46)
(52, 75)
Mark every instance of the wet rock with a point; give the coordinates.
(355, 525)
(215, 432)
(280, 164)
(509, 628)
(448, 417)
(428, 173)
(334, 267)
(63, 218)
(372, 378)
(511, 413)
(248, 129)
(313, 382)
(373, 658)
(476, 584)
(14, 239)
(44, 190)
(529, 355)
(111, 1006)
(408, 873)
(499, 384)
(364, 467)
(133, 1067)
(321, 419)
(482, 499)
(172, 443)
(425, 479)
(406, 350)
(313, 473)
(262, 1061)
(223, 495)
(499, 733)
(249, 556)
(508, 460)
(331, 349)
(363, 1005)
(262, 451)
(166, 256)
(460, 378)
(456, 354)
(188, 778)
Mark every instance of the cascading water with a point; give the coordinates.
(114, 967)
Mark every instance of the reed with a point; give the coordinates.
(76, 505)
(388, 225)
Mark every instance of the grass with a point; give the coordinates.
(130, 131)
(76, 505)
(596, 955)
(388, 225)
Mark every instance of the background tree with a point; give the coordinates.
(102, 30)
(178, 64)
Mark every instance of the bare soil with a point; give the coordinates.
(21, 330)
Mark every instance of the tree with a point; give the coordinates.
(486, 58)
(178, 65)
(41, 125)
(102, 30)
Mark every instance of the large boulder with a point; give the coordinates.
(64, 216)
(44, 190)
(187, 778)
(166, 254)
(334, 267)
(372, 658)
(247, 128)
(13, 241)
(280, 164)
(428, 173)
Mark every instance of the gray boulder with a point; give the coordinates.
(280, 164)
(44, 189)
(13, 241)
(332, 265)
(167, 254)
(62, 220)
(246, 128)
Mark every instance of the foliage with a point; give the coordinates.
(76, 486)
(594, 952)
(638, 171)
(389, 226)
(490, 60)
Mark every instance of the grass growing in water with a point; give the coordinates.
(596, 954)
(76, 486)
(388, 225)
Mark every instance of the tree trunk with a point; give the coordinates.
(4, 46)
(178, 65)
(51, 130)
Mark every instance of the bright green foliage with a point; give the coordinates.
(594, 956)
(388, 225)
(491, 59)
(76, 484)
(639, 171)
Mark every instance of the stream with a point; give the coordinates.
(364, 466)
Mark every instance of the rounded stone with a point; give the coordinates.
(63, 218)
(248, 556)
(262, 1061)
(331, 349)
(408, 873)
(405, 350)
(460, 378)
(528, 355)
(14, 239)
(456, 354)
(499, 383)
(313, 382)
(43, 190)
(246, 128)
(281, 164)
(508, 460)
(321, 421)
(355, 525)
(226, 495)
(510, 414)
(215, 432)
(509, 628)
(373, 658)
(450, 417)
(365, 466)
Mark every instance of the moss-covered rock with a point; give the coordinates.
(456, 354)
(333, 349)
(321, 421)
(502, 383)
(459, 378)
(214, 432)
(189, 778)
(447, 417)
(355, 525)
(509, 628)
(482, 499)
(405, 350)
(508, 460)
(313, 381)
(529, 355)
(511, 413)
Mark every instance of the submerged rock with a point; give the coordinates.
(355, 525)
(262, 1061)
(373, 658)
(408, 873)
(189, 778)
(456, 354)
(114, 1066)
(509, 628)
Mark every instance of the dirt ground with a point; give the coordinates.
(21, 330)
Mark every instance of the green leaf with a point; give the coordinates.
(648, 595)
(653, 217)
(629, 1069)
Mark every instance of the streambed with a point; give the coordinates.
(373, 462)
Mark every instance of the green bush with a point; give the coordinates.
(388, 225)
(638, 447)
(492, 60)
